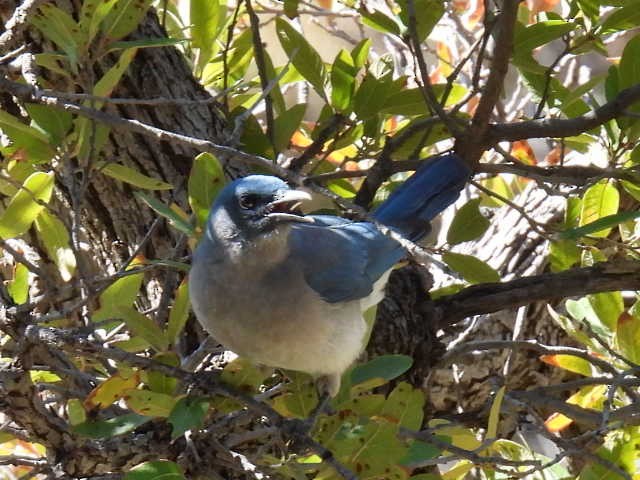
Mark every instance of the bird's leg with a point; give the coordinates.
(325, 387)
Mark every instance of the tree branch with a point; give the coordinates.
(492, 297)
(560, 127)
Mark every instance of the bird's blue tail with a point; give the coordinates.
(434, 186)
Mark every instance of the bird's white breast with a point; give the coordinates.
(247, 304)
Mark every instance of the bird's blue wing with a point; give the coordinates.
(341, 260)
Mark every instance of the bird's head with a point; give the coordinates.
(257, 204)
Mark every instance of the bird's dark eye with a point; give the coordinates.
(248, 201)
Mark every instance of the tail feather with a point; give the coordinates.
(434, 186)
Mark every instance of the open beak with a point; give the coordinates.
(285, 208)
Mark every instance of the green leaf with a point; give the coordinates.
(538, 34)
(583, 311)
(286, 124)
(24, 208)
(76, 412)
(627, 337)
(157, 470)
(104, 87)
(385, 368)
(144, 43)
(624, 18)
(371, 96)
(301, 396)
(563, 254)
(205, 182)
(608, 306)
(570, 363)
(18, 286)
(629, 69)
(379, 21)
(132, 177)
(404, 406)
(494, 414)
(112, 427)
(417, 454)
(158, 381)
(376, 449)
(207, 20)
(58, 26)
(151, 404)
(144, 327)
(175, 220)
(32, 141)
(605, 223)
(302, 55)
(92, 13)
(411, 101)
(120, 294)
(360, 53)
(55, 123)
(123, 17)
(343, 81)
(468, 223)
(472, 269)
(55, 239)
(187, 414)
(179, 313)
(427, 12)
(600, 200)
(291, 8)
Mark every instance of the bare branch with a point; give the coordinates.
(558, 127)
(492, 297)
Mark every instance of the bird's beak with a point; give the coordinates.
(285, 207)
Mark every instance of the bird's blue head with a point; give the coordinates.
(256, 205)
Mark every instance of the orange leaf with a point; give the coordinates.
(523, 152)
(300, 140)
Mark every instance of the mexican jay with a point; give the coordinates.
(288, 290)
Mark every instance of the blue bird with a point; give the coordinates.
(288, 290)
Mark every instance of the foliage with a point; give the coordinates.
(363, 115)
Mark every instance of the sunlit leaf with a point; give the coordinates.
(143, 326)
(494, 413)
(302, 55)
(404, 406)
(164, 210)
(26, 205)
(55, 239)
(18, 286)
(205, 182)
(110, 79)
(30, 140)
(132, 177)
(148, 403)
(600, 200)
(628, 337)
(121, 293)
(286, 124)
(570, 363)
(472, 269)
(427, 15)
(112, 389)
(123, 17)
(179, 313)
